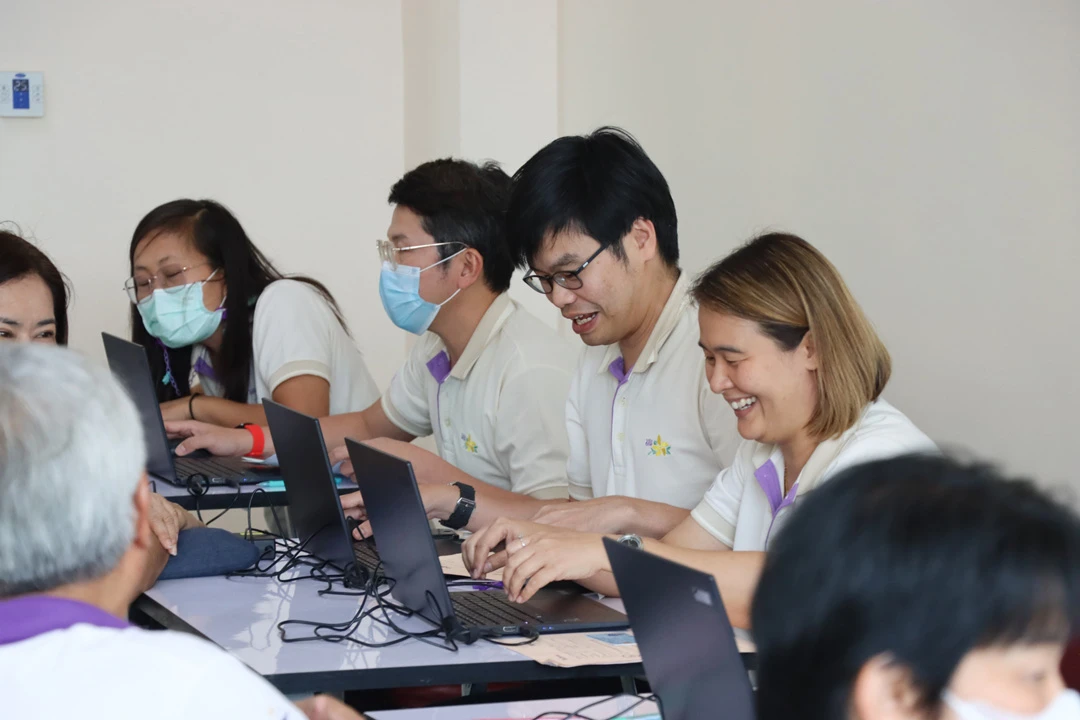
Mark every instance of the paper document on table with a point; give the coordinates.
(568, 650)
(455, 565)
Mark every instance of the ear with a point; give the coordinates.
(883, 690)
(143, 537)
(472, 268)
(643, 237)
(808, 348)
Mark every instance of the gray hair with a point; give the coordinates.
(71, 458)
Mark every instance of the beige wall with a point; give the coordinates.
(290, 113)
(930, 149)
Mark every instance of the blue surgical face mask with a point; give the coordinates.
(399, 289)
(178, 317)
(1066, 706)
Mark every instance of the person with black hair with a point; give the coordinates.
(207, 302)
(592, 219)
(486, 379)
(33, 309)
(919, 587)
(33, 294)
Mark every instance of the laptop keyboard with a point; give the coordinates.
(366, 555)
(211, 468)
(487, 608)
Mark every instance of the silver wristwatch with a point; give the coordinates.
(633, 541)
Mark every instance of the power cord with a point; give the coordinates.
(563, 715)
(198, 484)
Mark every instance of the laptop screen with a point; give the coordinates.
(129, 364)
(402, 531)
(686, 641)
(314, 505)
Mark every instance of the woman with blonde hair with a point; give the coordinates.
(803, 370)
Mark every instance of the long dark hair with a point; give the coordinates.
(217, 234)
(20, 258)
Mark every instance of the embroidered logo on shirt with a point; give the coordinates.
(470, 444)
(658, 447)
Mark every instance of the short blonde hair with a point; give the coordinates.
(789, 288)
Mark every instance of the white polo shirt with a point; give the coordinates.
(498, 414)
(295, 332)
(656, 432)
(131, 674)
(746, 506)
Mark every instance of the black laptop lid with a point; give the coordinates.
(129, 364)
(686, 640)
(402, 531)
(314, 505)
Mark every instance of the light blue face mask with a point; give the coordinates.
(399, 289)
(178, 317)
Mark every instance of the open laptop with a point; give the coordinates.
(686, 641)
(400, 524)
(311, 490)
(314, 505)
(129, 364)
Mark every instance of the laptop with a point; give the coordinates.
(686, 640)
(129, 364)
(311, 489)
(400, 524)
(312, 493)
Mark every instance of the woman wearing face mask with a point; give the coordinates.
(33, 294)
(790, 350)
(207, 302)
(919, 588)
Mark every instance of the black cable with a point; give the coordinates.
(563, 715)
(233, 483)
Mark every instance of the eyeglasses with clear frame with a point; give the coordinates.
(170, 278)
(567, 278)
(388, 251)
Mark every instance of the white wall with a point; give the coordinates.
(290, 113)
(481, 83)
(930, 149)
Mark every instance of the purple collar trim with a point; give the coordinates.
(769, 480)
(439, 367)
(29, 616)
(619, 370)
(204, 368)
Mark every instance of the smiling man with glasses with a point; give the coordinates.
(593, 220)
(486, 379)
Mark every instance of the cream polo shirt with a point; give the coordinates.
(654, 432)
(295, 332)
(498, 414)
(746, 507)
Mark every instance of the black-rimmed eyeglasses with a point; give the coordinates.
(567, 278)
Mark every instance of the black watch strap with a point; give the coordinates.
(464, 508)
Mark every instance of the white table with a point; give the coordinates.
(241, 615)
(524, 710)
(221, 497)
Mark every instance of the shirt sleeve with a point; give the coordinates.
(718, 423)
(406, 401)
(533, 447)
(577, 462)
(718, 511)
(292, 333)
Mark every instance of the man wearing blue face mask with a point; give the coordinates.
(488, 380)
